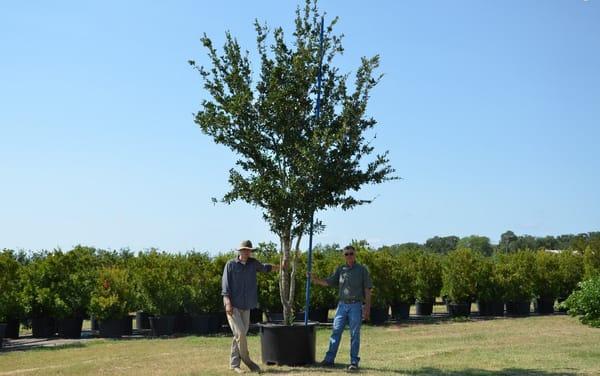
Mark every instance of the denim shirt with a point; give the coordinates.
(239, 282)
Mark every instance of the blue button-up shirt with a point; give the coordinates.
(239, 282)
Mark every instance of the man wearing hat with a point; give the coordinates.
(354, 286)
(239, 290)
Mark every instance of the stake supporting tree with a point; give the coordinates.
(312, 217)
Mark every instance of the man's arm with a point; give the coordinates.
(317, 280)
(225, 291)
(367, 305)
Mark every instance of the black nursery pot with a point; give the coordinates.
(43, 327)
(518, 308)
(491, 308)
(379, 315)
(544, 306)
(199, 324)
(401, 311)
(115, 328)
(424, 308)
(12, 328)
(290, 345)
(162, 325)
(459, 309)
(142, 320)
(2, 333)
(69, 327)
(256, 315)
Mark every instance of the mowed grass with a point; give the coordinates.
(551, 345)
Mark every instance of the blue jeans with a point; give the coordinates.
(352, 314)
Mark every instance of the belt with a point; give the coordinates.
(350, 301)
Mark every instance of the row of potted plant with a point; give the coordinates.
(56, 290)
(464, 276)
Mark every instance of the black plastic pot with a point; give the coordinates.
(94, 323)
(12, 328)
(198, 324)
(320, 314)
(379, 315)
(290, 345)
(459, 309)
(162, 325)
(492, 308)
(43, 327)
(181, 320)
(544, 306)
(2, 333)
(114, 328)
(256, 315)
(69, 327)
(401, 311)
(142, 320)
(518, 308)
(424, 308)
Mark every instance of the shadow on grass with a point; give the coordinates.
(425, 371)
(41, 345)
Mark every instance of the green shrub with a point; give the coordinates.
(378, 265)
(591, 262)
(546, 274)
(515, 271)
(199, 279)
(460, 275)
(570, 264)
(113, 294)
(402, 275)
(161, 280)
(585, 302)
(10, 286)
(489, 287)
(37, 279)
(428, 276)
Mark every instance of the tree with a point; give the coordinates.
(442, 244)
(292, 165)
(507, 242)
(476, 243)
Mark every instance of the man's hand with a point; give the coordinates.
(228, 309)
(366, 312)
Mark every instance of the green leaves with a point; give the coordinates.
(291, 164)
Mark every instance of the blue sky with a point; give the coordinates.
(490, 111)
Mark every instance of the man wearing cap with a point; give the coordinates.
(354, 286)
(239, 292)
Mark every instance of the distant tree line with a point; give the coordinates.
(509, 242)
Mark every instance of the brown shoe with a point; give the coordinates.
(237, 370)
(254, 367)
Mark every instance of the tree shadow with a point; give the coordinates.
(42, 344)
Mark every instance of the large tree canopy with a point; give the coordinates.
(289, 163)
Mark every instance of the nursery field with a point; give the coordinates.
(537, 345)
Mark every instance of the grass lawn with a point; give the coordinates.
(550, 345)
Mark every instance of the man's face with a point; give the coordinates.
(350, 256)
(245, 254)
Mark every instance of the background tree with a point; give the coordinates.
(290, 164)
(476, 243)
(442, 245)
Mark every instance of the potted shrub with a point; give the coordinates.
(378, 264)
(111, 301)
(460, 274)
(570, 265)
(322, 299)
(161, 280)
(489, 291)
(76, 271)
(428, 281)
(38, 295)
(402, 284)
(546, 281)
(515, 271)
(11, 308)
(591, 262)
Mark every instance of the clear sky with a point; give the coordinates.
(490, 111)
